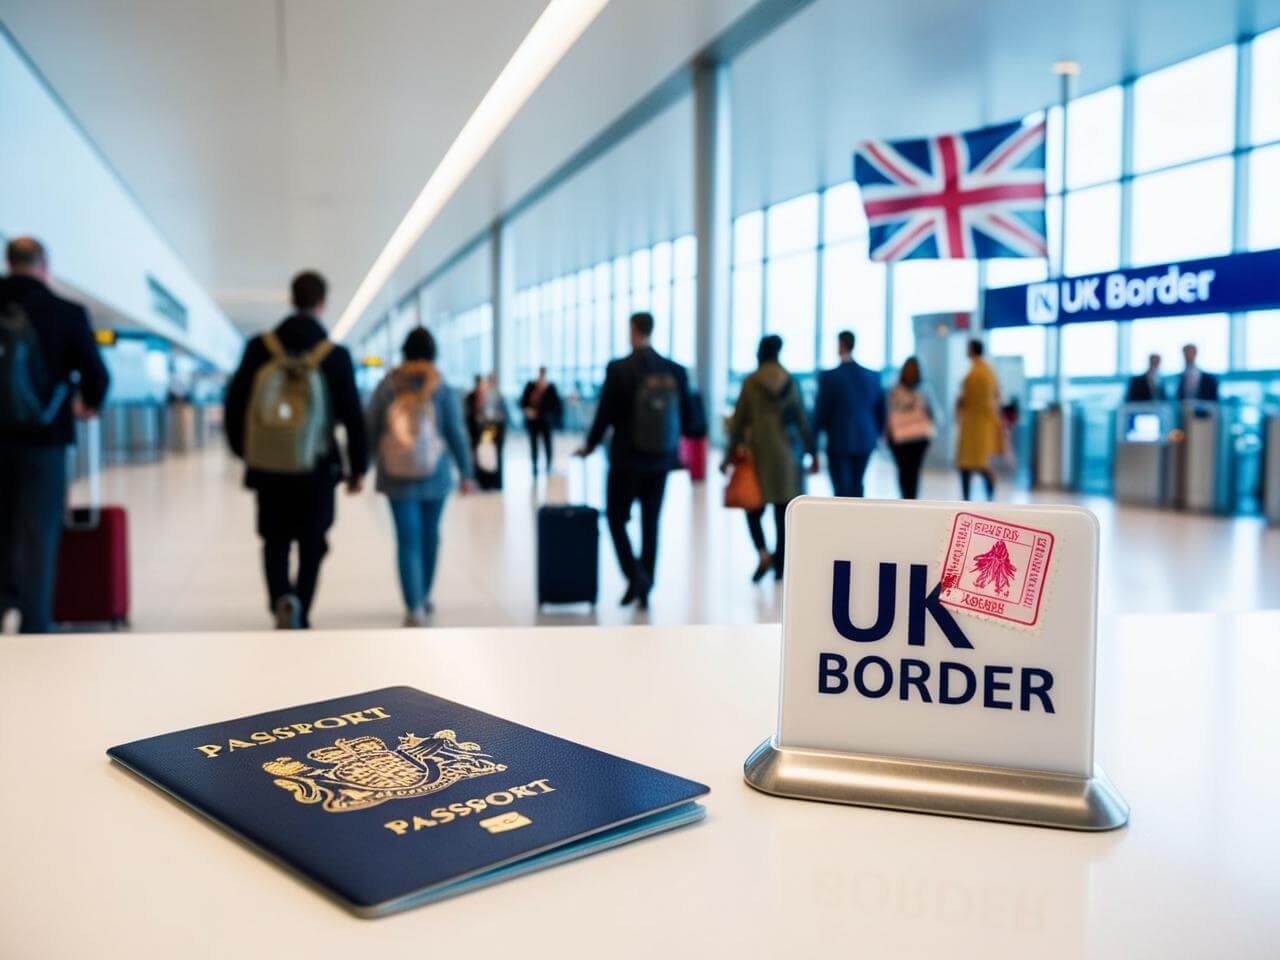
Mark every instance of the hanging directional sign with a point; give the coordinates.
(1243, 281)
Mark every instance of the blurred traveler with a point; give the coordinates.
(1146, 387)
(44, 342)
(850, 410)
(911, 425)
(293, 387)
(645, 402)
(980, 432)
(769, 422)
(487, 427)
(1195, 384)
(542, 410)
(415, 428)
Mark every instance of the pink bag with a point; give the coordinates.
(909, 424)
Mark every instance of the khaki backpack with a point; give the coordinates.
(287, 426)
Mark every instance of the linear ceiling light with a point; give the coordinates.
(554, 32)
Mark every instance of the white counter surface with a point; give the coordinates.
(93, 863)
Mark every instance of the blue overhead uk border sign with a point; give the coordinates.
(1243, 281)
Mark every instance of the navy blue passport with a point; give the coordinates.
(395, 798)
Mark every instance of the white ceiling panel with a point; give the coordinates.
(631, 47)
(839, 72)
(265, 136)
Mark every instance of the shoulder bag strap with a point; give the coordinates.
(273, 345)
(316, 355)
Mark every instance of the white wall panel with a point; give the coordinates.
(55, 186)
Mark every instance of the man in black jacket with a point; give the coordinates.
(33, 459)
(299, 508)
(540, 404)
(645, 401)
(1146, 387)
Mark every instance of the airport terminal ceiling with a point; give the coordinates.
(262, 137)
(837, 73)
(831, 75)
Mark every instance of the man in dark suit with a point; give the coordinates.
(645, 402)
(542, 410)
(33, 452)
(850, 410)
(1195, 384)
(299, 507)
(1146, 387)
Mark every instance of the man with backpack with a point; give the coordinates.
(645, 401)
(293, 388)
(45, 342)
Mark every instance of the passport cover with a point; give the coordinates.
(394, 798)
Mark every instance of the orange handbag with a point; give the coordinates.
(743, 490)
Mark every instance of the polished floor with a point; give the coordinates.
(196, 563)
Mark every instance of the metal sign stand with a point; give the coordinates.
(950, 789)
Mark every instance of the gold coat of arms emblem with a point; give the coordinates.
(363, 772)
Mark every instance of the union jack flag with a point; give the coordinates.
(969, 195)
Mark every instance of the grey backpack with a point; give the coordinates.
(287, 425)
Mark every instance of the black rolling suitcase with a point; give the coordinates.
(568, 554)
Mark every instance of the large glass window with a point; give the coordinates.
(585, 327)
(621, 305)
(1262, 340)
(843, 217)
(1093, 230)
(746, 317)
(1264, 198)
(661, 303)
(683, 327)
(1011, 271)
(748, 237)
(852, 299)
(1183, 213)
(1089, 349)
(791, 287)
(683, 306)
(928, 286)
(640, 281)
(1094, 138)
(1265, 122)
(1166, 336)
(793, 225)
(1025, 342)
(1185, 111)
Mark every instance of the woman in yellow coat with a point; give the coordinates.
(978, 420)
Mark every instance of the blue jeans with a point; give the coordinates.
(417, 544)
(33, 496)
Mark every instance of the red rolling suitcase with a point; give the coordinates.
(693, 457)
(93, 558)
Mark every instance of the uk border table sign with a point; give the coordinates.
(939, 658)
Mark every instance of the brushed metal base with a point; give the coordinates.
(950, 789)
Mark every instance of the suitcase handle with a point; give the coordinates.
(88, 518)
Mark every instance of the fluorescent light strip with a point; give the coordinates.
(554, 32)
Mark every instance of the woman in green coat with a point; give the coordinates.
(769, 422)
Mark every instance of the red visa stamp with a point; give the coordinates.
(996, 569)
